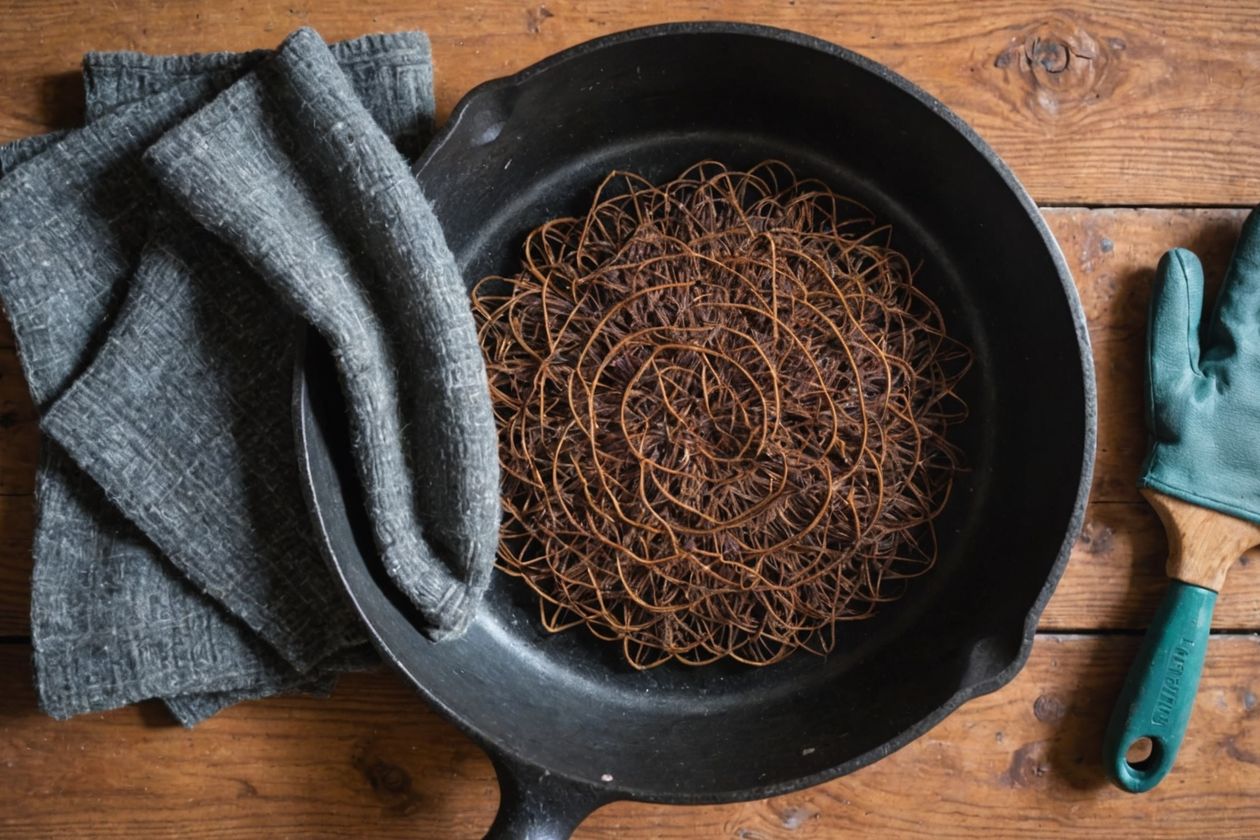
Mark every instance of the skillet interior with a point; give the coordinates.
(521, 150)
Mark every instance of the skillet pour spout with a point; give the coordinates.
(568, 724)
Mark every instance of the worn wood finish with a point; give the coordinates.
(1138, 103)
(18, 432)
(1202, 544)
(373, 761)
(1112, 254)
(17, 520)
(1116, 576)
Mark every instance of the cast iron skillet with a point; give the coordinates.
(567, 724)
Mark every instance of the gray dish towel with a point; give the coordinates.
(154, 266)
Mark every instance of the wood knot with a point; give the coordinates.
(1060, 66)
(390, 782)
(1053, 56)
(1049, 709)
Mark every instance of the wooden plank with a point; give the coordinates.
(17, 521)
(1138, 103)
(1112, 254)
(1116, 574)
(374, 761)
(1113, 581)
(19, 430)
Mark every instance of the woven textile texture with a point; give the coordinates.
(157, 267)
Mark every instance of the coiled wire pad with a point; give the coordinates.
(722, 405)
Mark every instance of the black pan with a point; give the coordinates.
(569, 725)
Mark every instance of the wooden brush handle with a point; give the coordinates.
(1202, 543)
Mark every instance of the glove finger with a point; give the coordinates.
(1235, 325)
(1173, 333)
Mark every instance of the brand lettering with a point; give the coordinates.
(1170, 686)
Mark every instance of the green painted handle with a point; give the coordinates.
(1158, 695)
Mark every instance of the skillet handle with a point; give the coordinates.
(537, 805)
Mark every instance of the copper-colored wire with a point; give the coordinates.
(722, 405)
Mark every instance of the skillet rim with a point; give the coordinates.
(513, 763)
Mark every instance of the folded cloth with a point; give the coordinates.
(140, 261)
(340, 229)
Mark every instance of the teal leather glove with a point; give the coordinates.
(1203, 414)
(1203, 382)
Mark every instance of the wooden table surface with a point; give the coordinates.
(1136, 126)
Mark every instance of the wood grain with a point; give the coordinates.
(1202, 543)
(1116, 575)
(17, 522)
(373, 761)
(19, 433)
(1112, 254)
(1137, 103)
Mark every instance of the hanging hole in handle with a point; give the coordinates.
(1144, 754)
